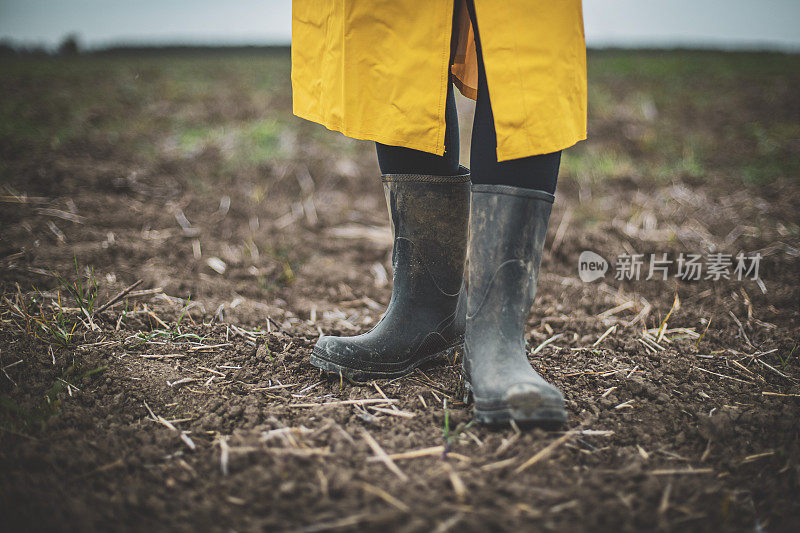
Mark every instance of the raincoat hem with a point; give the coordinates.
(549, 148)
(368, 136)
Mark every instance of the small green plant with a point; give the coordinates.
(785, 360)
(172, 334)
(53, 327)
(268, 352)
(446, 427)
(183, 313)
(49, 318)
(52, 323)
(84, 295)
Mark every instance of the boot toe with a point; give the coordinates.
(534, 402)
(525, 403)
(340, 353)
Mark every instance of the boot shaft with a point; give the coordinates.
(430, 214)
(508, 226)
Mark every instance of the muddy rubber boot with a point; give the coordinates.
(507, 232)
(429, 217)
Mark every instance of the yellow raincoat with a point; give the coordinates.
(378, 69)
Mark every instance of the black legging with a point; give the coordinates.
(535, 172)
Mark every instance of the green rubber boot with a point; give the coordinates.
(426, 314)
(507, 231)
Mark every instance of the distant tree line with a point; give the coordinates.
(71, 46)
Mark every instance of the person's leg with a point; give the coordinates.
(509, 213)
(399, 160)
(538, 172)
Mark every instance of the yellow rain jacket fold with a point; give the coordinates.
(379, 69)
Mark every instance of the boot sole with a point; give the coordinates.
(550, 418)
(322, 360)
(527, 410)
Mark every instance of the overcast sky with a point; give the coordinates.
(717, 23)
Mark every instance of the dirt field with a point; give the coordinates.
(190, 405)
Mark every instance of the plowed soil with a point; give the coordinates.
(190, 403)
